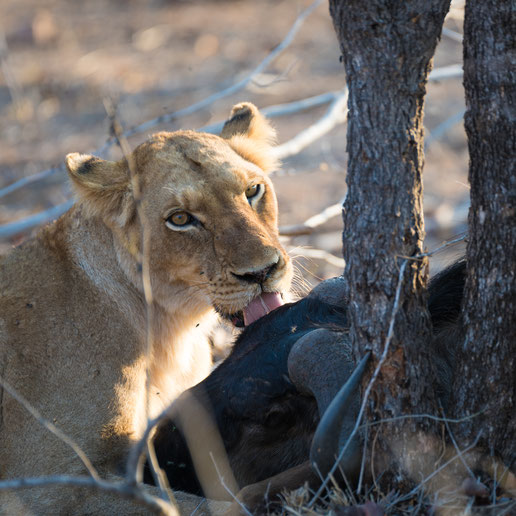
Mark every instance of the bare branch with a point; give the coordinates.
(438, 132)
(169, 117)
(225, 486)
(288, 108)
(50, 427)
(123, 143)
(336, 114)
(138, 450)
(455, 36)
(455, 445)
(308, 226)
(24, 181)
(121, 489)
(333, 117)
(446, 72)
(19, 226)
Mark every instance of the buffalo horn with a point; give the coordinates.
(319, 364)
(336, 426)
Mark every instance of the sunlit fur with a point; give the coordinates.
(74, 323)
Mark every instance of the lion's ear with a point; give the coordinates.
(246, 120)
(249, 133)
(102, 186)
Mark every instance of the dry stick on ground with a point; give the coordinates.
(118, 134)
(170, 117)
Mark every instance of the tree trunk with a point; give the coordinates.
(486, 379)
(387, 49)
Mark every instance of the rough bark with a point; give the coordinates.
(387, 48)
(486, 380)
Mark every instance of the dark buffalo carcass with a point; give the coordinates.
(266, 397)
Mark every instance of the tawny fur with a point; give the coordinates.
(73, 317)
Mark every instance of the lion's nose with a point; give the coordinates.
(256, 276)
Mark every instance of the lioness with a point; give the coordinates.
(74, 320)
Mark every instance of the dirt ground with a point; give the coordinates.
(60, 59)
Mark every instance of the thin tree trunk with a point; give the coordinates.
(486, 379)
(387, 49)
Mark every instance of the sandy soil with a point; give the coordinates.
(62, 58)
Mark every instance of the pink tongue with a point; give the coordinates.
(261, 305)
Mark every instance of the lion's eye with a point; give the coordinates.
(179, 219)
(254, 193)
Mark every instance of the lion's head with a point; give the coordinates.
(209, 212)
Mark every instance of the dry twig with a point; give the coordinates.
(336, 114)
(118, 134)
(122, 489)
(308, 226)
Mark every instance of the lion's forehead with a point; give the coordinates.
(191, 165)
